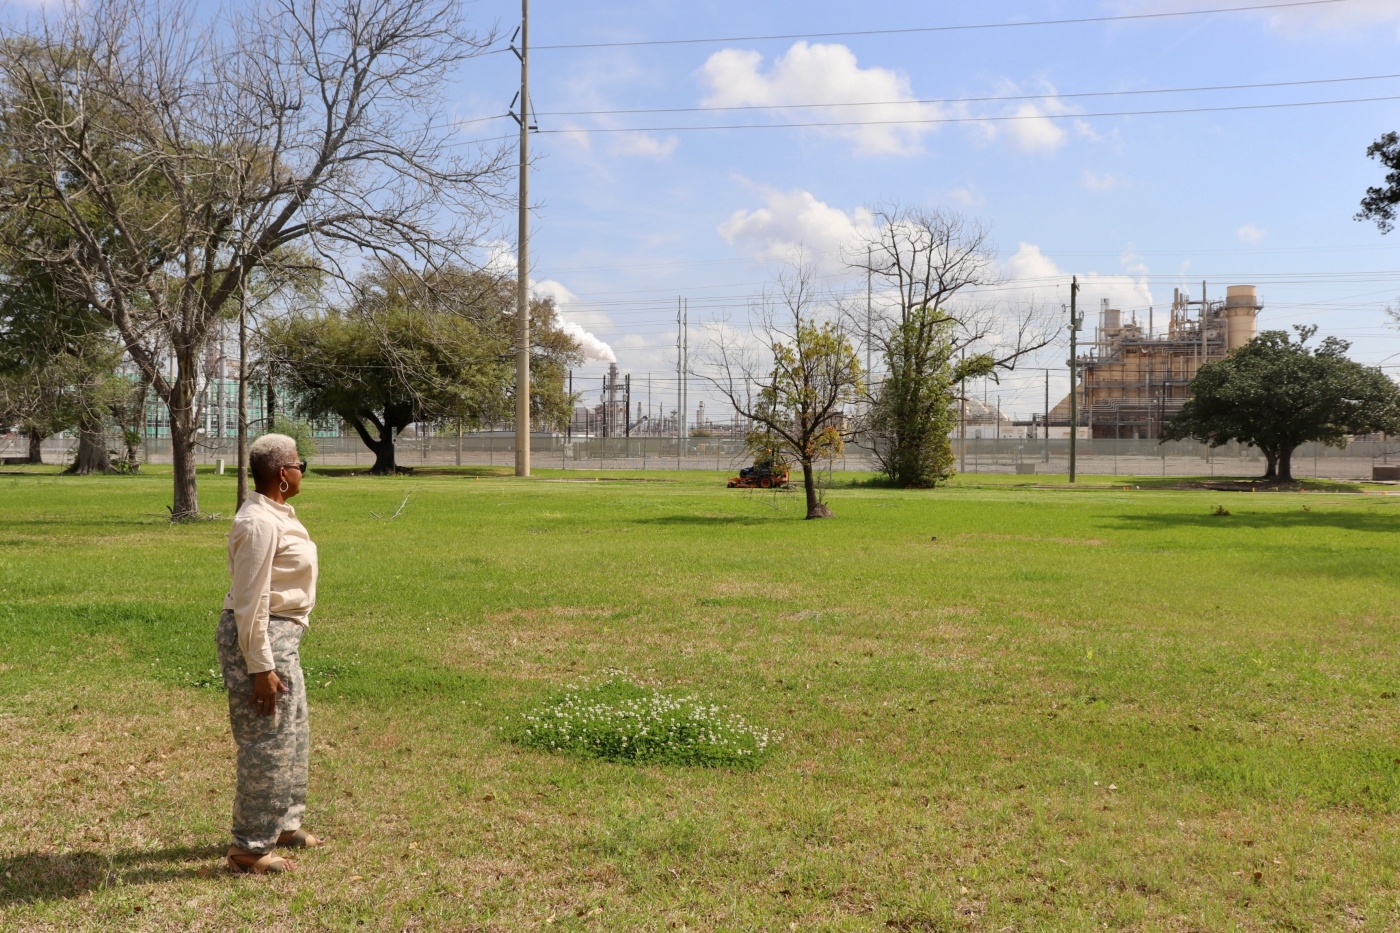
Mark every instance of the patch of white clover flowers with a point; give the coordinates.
(619, 718)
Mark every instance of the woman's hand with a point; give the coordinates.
(266, 686)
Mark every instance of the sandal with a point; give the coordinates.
(300, 839)
(251, 863)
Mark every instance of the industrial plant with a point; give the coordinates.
(1135, 378)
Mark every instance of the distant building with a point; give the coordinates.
(1135, 380)
(980, 420)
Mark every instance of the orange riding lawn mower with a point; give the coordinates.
(765, 473)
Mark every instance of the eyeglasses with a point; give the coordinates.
(300, 466)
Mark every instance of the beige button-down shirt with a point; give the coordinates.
(272, 563)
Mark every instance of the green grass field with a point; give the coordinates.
(1098, 708)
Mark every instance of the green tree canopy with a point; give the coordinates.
(912, 412)
(1379, 203)
(431, 348)
(1277, 393)
(57, 364)
(799, 387)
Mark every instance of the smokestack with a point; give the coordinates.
(1241, 307)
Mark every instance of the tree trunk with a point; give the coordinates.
(1285, 465)
(36, 446)
(809, 485)
(382, 448)
(133, 450)
(92, 449)
(136, 431)
(1271, 470)
(384, 463)
(182, 442)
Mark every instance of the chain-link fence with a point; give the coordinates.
(547, 451)
(1099, 457)
(1109, 457)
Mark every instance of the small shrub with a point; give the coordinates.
(621, 719)
(1220, 510)
(301, 432)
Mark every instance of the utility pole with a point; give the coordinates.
(627, 406)
(962, 416)
(242, 398)
(685, 368)
(570, 429)
(869, 317)
(522, 258)
(1074, 324)
(680, 383)
(1047, 416)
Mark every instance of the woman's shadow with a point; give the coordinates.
(45, 876)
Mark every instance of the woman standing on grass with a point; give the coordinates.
(272, 561)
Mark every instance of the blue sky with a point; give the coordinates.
(627, 221)
(632, 211)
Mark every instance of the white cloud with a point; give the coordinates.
(829, 76)
(967, 196)
(571, 132)
(500, 258)
(1249, 234)
(1033, 131)
(1298, 22)
(573, 319)
(590, 346)
(644, 145)
(1030, 267)
(1029, 126)
(1337, 17)
(1096, 182)
(793, 220)
(823, 74)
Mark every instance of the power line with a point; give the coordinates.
(999, 118)
(912, 30)
(957, 100)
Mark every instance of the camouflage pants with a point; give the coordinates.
(272, 750)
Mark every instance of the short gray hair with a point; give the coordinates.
(270, 453)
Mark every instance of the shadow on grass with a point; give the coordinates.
(408, 471)
(81, 523)
(40, 876)
(1264, 521)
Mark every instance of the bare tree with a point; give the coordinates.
(931, 334)
(932, 258)
(182, 157)
(796, 378)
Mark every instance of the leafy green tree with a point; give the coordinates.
(912, 415)
(299, 431)
(797, 387)
(1379, 203)
(1276, 393)
(183, 157)
(925, 262)
(57, 364)
(436, 348)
